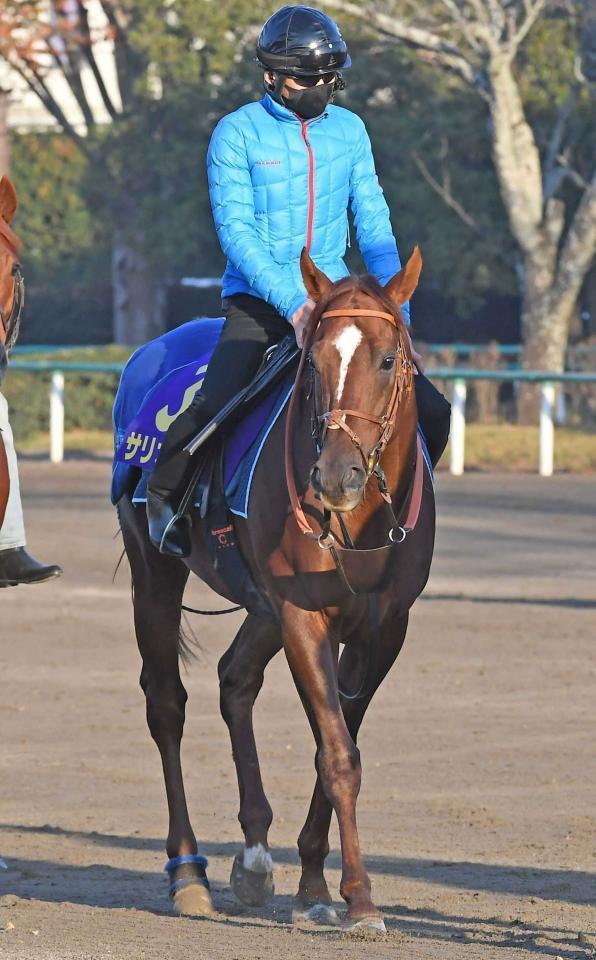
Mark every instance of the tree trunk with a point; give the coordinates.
(139, 296)
(546, 317)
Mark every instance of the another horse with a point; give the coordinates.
(353, 484)
(11, 301)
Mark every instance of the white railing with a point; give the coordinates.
(460, 378)
(548, 405)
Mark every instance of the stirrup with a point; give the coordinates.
(176, 539)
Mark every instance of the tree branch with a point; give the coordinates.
(123, 55)
(73, 78)
(463, 23)
(578, 249)
(533, 11)
(444, 192)
(40, 89)
(447, 54)
(551, 175)
(89, 55)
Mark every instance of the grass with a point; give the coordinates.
(75, 442)
(498, 447)
(506, 446)
(108, 353)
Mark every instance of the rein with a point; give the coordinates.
(335, 419)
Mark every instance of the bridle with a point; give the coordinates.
(335, 419)
(11, 322)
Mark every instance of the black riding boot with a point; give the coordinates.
(168, 481)
(434, 416)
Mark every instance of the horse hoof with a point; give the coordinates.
(365, 925)
(193, 900)
(321, 913)
(253, 887)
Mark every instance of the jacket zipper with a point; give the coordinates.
(311, 183)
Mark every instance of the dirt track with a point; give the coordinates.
(478, 808)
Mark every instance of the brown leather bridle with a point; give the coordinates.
(11, 322)
(335, 419)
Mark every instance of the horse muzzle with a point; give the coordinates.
(341, 489)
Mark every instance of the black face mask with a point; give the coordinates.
(307, 102)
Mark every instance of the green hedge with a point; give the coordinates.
(88, 397)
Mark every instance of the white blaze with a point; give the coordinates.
(346, 344)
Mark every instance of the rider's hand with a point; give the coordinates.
(299, 320)
(418, 360)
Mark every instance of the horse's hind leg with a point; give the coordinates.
(313, 899)
(158, 587)
(241, 672)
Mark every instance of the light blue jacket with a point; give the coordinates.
(278, 183)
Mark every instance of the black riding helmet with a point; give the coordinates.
(302, 42)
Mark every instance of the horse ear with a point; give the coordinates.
(401, 287)
(8, 199)
(316, 282)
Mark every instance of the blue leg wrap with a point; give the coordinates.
(186, 859)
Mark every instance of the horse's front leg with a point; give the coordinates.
(158, 587)
(241, 671)
(313, 900)
(312, 656)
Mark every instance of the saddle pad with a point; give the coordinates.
(157, 384)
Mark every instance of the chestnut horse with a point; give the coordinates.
(355, 485)
(11, 301)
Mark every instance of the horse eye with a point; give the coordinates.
(388, 362)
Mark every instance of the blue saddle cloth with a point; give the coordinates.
(157, 384)
(160, 381)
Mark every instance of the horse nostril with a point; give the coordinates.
(353, 478)
(315, 479)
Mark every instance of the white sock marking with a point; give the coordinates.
(346, 344)
(258, 859)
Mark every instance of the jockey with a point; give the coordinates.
(282, 172)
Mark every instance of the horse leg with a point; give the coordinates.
(241, 672)
(313, 900)
(158, 587)
(312, 656)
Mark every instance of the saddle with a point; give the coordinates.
(224, 452)
(207, 487)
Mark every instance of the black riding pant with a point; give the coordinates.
(251, 327)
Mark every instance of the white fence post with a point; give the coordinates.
(458, 427)
(57, 417)
(547, 430)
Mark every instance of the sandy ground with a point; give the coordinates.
(478, 808)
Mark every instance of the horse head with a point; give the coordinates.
(11, 280)
(361, 367)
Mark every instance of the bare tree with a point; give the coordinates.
(40, 38)
(555, 229)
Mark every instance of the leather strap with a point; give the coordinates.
(361, 313)
(416, 498)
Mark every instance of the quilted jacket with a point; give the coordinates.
(278, 183)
